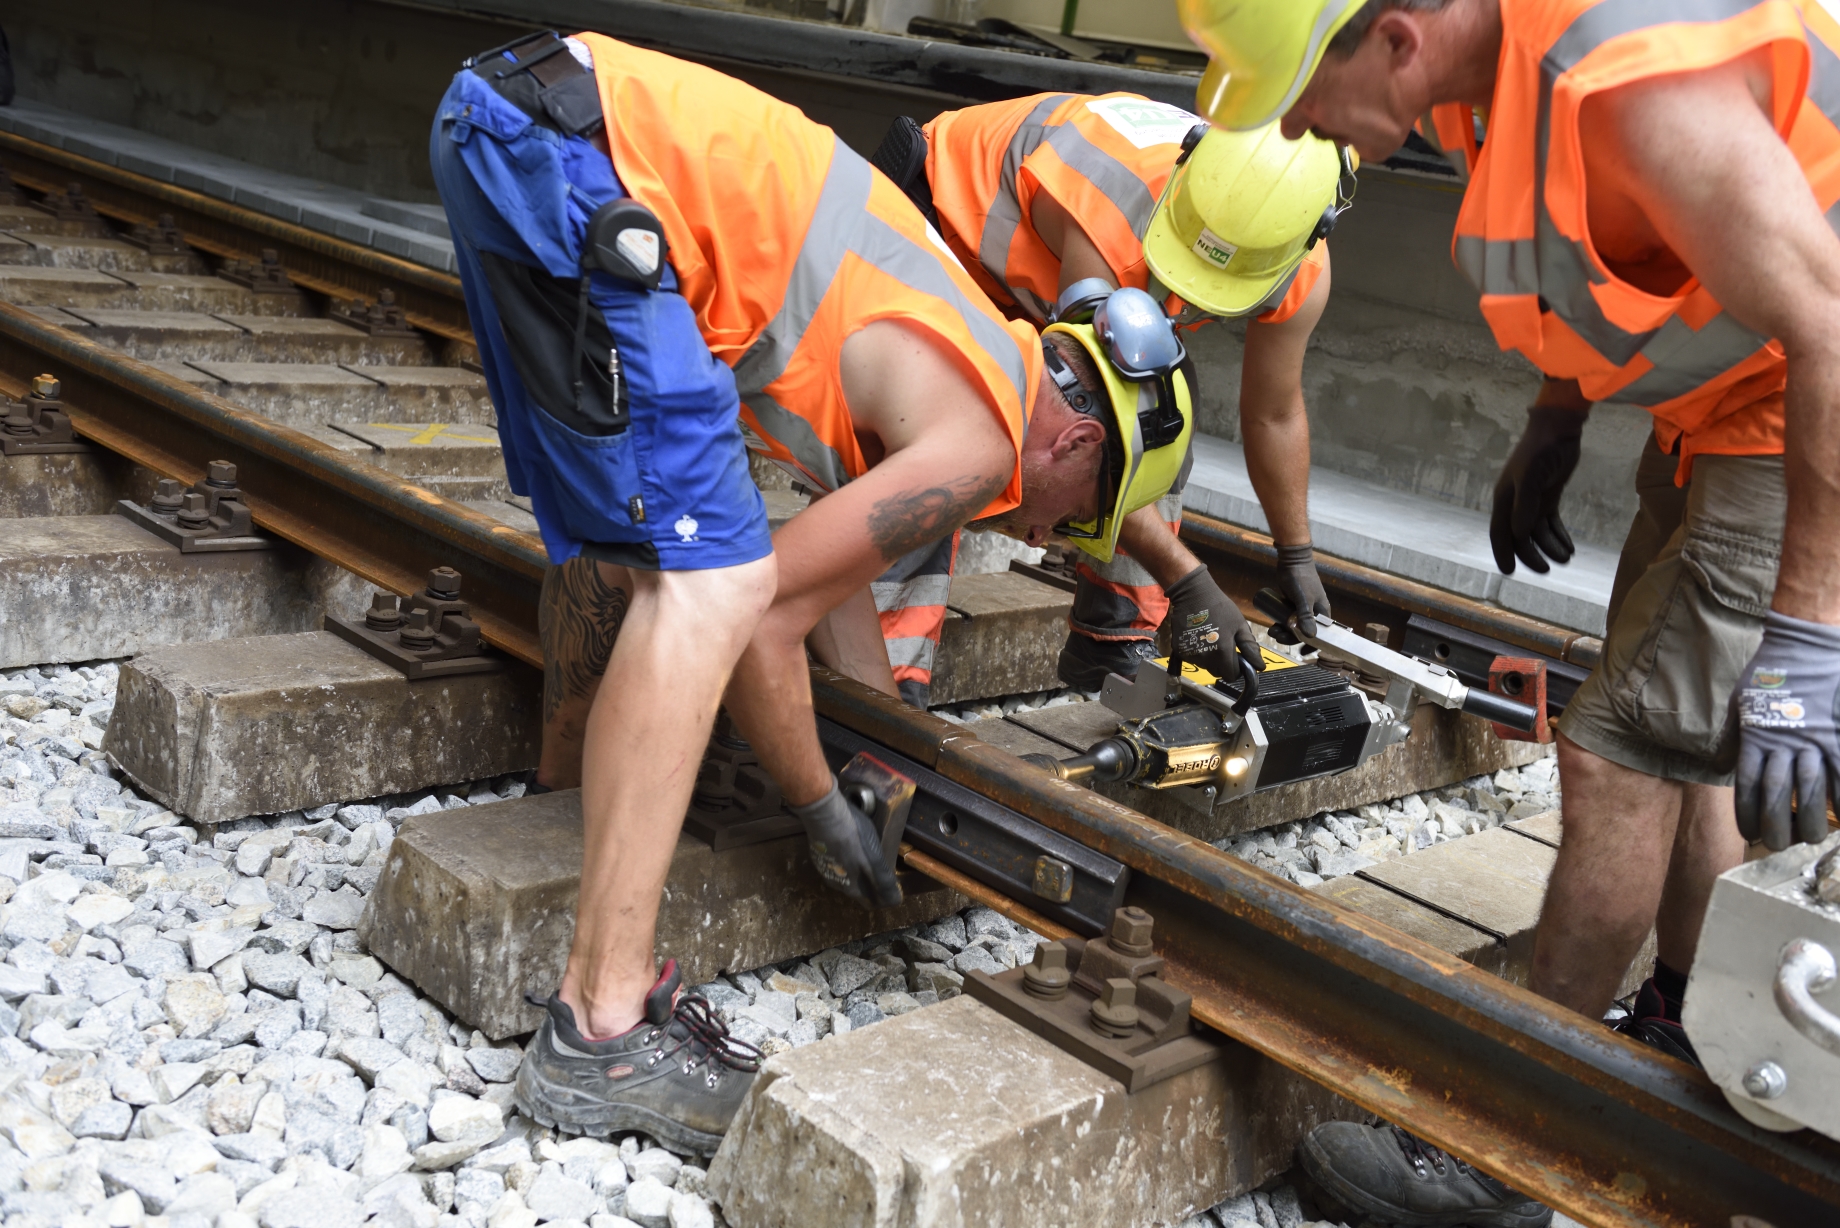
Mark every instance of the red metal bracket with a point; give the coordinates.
(1522, 679)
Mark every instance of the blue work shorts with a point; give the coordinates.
(629, 445)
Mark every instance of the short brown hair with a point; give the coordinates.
(1349, 37)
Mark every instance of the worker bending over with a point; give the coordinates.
(1644, 221)
(661, 266)
(1037, 195)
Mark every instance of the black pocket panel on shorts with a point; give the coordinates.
(538, 313)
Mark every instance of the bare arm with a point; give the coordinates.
(1063, 235)
(1271, 416)
(1697, 156)
(945, 457)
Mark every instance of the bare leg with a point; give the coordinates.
(849, 640)
(1607, 883)
(1707, 845)
(645, 737)
(579, 616)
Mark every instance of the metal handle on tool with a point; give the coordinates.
(1249, 685)
(1500, 709)
(1804, 969)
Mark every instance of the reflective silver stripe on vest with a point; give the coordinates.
(842, 224)
(905, 594)
(1561, 272)
(1005, 214)
(913, 651)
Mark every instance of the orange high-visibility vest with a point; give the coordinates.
(1104, 159)
(1523, 238)
(785, 242)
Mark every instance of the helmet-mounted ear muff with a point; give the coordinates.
(1344, 198)
(1144, 402)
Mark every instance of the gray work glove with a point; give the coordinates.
(1526, 521)
(1204, 626)
(847, 850)
(1301, 586)
(1788, 702)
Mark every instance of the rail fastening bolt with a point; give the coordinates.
(1047, 977)
(220, 473)
(444, 584)
(47, 387)
(194, 512)
(1765, 1081)
(168, 498)
(1115, 1013)
(383, 614)
(417, 633)
(1130, 932)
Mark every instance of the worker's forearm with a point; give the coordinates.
(1808, 584)
(769, 698)
(1278, 461)
(1147, 538)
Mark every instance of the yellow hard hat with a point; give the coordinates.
(1240, 211)
(1150, 409)
(1262, 53)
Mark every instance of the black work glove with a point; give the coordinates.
(847, 850)
(1526, 519)
(1301, 585)
(1204, 626)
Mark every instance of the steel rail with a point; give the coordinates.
(430, 299)
(1602, 1128)
(1245, 559)
(387, 530)
(1608, 1131)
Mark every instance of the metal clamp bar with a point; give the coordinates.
(1805, 969)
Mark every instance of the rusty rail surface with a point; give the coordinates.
(1602, 1128)
(387, 530)
(1608, 1131)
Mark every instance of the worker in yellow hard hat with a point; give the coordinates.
(1261, 53)
(1053, 200)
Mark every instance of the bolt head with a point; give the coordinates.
(168, 488)
(221, 473)
(444, 582)
(270, 256)
(1130, 932)
(195, 502)
(1765, 1081)
(46, 386)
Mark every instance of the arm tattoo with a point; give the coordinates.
(904, 522)
(578, 617)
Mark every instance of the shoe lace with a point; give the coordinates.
(698, 1033)
(1420, 1153)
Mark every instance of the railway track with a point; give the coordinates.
(1607, 1131)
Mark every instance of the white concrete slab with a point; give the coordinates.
(1408, 535)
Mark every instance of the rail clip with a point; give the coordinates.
(430, 636)
(1105, 1003)
(38, 425)
(208, 518)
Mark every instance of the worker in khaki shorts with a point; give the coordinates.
(1644, 219)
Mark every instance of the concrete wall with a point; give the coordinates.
(1403, 383)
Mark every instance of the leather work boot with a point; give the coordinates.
(1656, 1024)
(1398, 1178)
(1085, 662)
(677, 1076)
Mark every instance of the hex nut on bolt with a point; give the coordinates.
(46, 386)
(1765, 1081)
(383, 614)
(220, 473)
(444, 582)
(1047, 977)
(1115, 1013)
(1130, 932)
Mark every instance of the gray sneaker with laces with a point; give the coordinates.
(1398, 1178)
(677, 1076)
